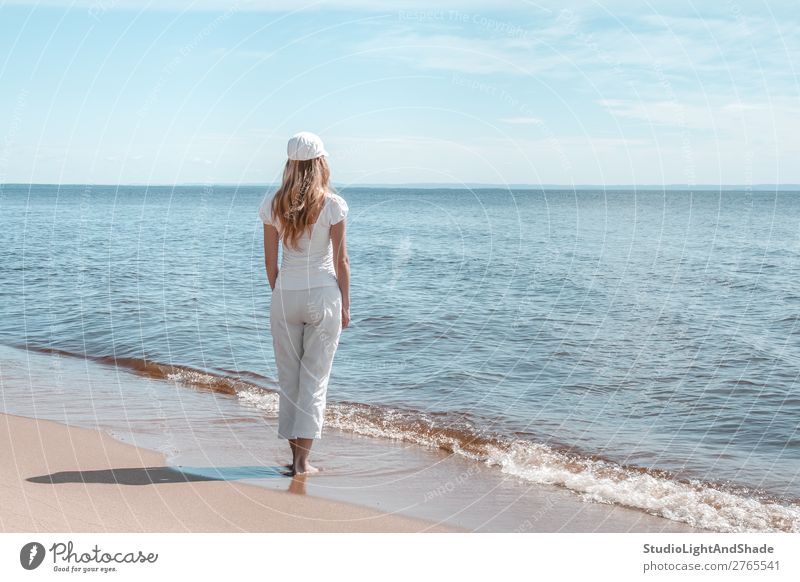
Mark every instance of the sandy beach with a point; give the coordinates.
(58, 478)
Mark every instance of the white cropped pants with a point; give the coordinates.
(306, 325)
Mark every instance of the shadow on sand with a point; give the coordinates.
(155, 475)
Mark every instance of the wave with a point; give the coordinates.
(701, 504)
(188, 376)
(704, 505)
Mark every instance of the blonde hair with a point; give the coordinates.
(301, 197)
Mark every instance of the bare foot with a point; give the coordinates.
(305, 469)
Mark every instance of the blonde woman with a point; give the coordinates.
(310, 293)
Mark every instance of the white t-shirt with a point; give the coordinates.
(311, 264)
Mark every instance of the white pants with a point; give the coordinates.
(306, 325)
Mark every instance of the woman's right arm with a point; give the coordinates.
(271, 253)
(341, 263)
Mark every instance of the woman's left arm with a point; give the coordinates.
(271, 253)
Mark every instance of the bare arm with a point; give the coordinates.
(341, 263)
(271, 253)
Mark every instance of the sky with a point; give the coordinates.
(500, 92)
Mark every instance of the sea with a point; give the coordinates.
(636, 349)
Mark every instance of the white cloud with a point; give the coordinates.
(742, 55)
(739, 106)
(521, 120)
(102, 6)
(703, 112)
(667, 113)
(454, 53)
(244, 54)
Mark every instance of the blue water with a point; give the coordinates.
(650, 329)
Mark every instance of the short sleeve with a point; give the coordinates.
(339, 209)
(265, 212)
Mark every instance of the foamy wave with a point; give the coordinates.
(694, 502)
(265, 401)
(699, 504)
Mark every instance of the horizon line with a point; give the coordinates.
(463, 185)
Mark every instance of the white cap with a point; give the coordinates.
(305, 146)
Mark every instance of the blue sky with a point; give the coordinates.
(116, 91)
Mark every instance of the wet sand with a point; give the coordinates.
(57, 478)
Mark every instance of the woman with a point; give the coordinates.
(310, 293)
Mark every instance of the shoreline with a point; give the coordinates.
(61, 478)
(210, 435)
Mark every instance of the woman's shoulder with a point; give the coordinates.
(265, 209)
(337, 207)
(335, 197)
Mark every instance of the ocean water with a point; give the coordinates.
(640, 348)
